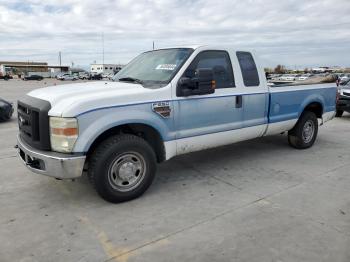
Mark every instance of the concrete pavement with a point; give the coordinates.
(258, 200)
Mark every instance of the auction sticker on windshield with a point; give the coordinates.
(166, 67)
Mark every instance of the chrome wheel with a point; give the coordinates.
(308, 131)
(127, 171)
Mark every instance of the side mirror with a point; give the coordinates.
(202, 83)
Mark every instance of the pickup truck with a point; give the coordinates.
(164, 103)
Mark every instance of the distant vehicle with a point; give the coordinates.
(60, 76)
(288, 77)
(84, 76)
(69, 77)
(343, 101)
(6, 110)
(109, 76)
(5, 77)
(105, 75)
(344, 83)
(304, 77)
(344, 79)
(95, 77)
(33, 77)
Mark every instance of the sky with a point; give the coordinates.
(295, 33)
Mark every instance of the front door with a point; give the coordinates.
(205, 121)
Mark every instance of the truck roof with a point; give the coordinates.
(208, 47)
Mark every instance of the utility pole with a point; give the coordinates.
(103, 48)
(60, 58)
(153, 45)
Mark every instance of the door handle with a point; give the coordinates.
(239, 101)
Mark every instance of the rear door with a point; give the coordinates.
(255, 95)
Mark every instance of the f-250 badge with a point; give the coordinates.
(162, 108)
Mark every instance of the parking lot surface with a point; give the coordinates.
(258, 200)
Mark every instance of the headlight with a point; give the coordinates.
(63, 133)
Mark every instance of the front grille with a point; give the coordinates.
(26, 121)
(33, 122)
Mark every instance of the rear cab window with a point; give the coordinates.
(219, 62)
(248, 67)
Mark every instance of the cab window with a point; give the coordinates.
(249, 71)
(219, 62)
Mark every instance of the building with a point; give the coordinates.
(30, 68)
(105, 68)
(326, 69)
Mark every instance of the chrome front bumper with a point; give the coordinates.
(57, 165)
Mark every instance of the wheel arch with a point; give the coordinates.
(313, 103)
(145, 131)
(316, 107)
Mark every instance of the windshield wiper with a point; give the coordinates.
(131, 79)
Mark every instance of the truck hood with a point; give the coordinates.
(73, 99)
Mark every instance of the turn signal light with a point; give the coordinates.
(70, 131)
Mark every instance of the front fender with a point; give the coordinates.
(93, 124)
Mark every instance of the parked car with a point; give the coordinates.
(288, 77)
(95, 77)
(164, 103)
(111, 75)
(343, 100)
(6, 110)
(66, 77)
(344, 83)
(84, 76)
(59, 76)
(33, 77)
(304, 77)
(105, 75)
(108, 76)
(344, 77)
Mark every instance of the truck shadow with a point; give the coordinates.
(221, 158)
(192, 167)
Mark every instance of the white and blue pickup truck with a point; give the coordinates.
(162, 104)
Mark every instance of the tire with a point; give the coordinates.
(8, 116)
(122, 168)
(304, 133)
(5, 116)
(339, 113)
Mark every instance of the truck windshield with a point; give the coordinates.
(154, 69)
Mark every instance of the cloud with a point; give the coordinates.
(292, 32)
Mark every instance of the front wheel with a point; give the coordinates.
(122, 168)
(304, 133)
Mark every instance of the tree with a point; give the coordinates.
(280, 69)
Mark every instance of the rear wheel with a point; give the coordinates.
(122, 168)
(339, 113)
(304, 133)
